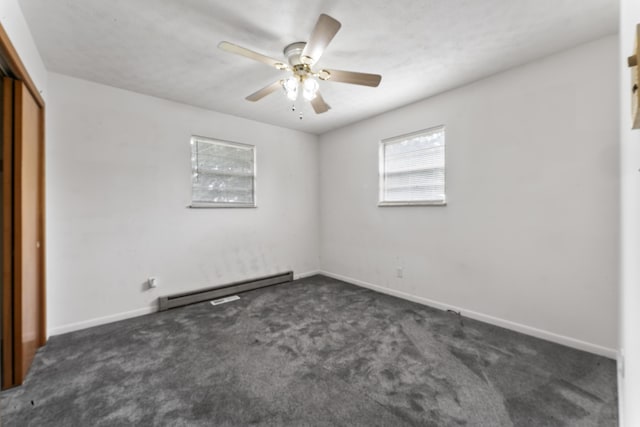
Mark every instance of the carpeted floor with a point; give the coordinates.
(315, 352)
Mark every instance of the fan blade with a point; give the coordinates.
(267, 90)
(352, 77)
(318, 104)
(324, 31)
(243, 51)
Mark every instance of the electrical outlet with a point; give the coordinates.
(152, 282)
(399, 272)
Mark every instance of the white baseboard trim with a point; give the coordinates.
(507, 324)
(70, 327)
(129, 314)
(307, 274)
(528, 330)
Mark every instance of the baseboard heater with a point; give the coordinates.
(186, 298)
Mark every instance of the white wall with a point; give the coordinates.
(119, 181)
(14, 24)
(529, 237)
(630, 226)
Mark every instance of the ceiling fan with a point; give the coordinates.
(301, 58)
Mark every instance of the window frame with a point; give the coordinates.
(381, 168)
(200, 204)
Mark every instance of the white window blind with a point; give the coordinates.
(412, 169)
(222, 173)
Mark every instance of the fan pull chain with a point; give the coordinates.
(293, 109)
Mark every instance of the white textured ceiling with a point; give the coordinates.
(167, 48)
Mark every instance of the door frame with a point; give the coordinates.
(10, 376)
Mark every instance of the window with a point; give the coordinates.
(412, 169)
(222, 173)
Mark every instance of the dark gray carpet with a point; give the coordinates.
(315, 352)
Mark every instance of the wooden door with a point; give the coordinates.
(7, 233)
(28, 236)
(23, 189)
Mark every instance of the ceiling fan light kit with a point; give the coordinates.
(301, 57)
(290, 86)
(310, 88)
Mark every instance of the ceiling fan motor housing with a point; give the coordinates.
(293, 53)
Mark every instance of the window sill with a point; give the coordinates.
(220, 205)
(421, 203)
